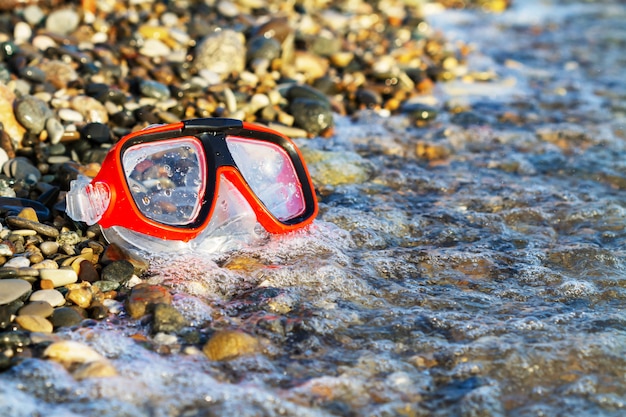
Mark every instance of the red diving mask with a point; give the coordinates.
(188, 180)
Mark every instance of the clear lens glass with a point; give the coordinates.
(269, 172)
(166, 179)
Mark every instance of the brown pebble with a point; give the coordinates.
(229, 344)
(21, 223)
(29, 213)
(34, 323)
(143, 296)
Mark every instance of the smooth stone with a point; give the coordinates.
(87, 272)
(22, 32)
(96, 369)
(5, 250)
(6, 315)
(118, 271)
(8, 273)
(143, 296)
(62, 21)
(42, 229)
(68, 352)
(21, 168)
(33, 14)
(154, 48)
(92, 110)
(28, 213)
(68, 238)
(49, 248)
(59, 277)
(18, 262)
(166, 319)
(230, 344)
(45, 264)
(98, 311)
(106, 286)
(52, 297)
(260, 47)
(32, 113)
(96, 132)
(13, 289)
(33, 74)
(36, 308)
(69, 115)
(34, 324)
(66, 317)
(312, 115)
(154, 89)
(55, 130)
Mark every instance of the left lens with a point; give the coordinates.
(271, 175)
(166, 179)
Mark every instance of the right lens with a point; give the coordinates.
(271, 175)
(166, 179)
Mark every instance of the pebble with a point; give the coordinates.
(17, 262)
(34, 323)
(96, 132)
(52, 297)
(167, 319)
(21, 169)
(32, 113)
(58, 277)
(145, 296)
(69, 115)
(36, 308)
(12, 127)
(230, 344)
(62, 21)
(80, 359)
(13, 289)
(118, 271)
(49, 248)
(87, 272)
(20, 223)
(80, 294)
(55, 130)
(223, 53)
(154, 89)
(66, 317)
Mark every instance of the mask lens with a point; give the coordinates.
(269, 172)
(166, 179)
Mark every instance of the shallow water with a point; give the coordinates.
(487, 282)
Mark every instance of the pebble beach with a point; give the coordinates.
(468, 258)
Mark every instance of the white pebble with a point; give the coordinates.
(18, 262)
(100, 37)
(43, 42)
(22, 32)
(154, 48)
(52, 297)
(59, 277)
(33, 14)
(69, 352)
(70, 115)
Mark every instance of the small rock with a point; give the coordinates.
(59, 277)
(114, 252)
(66, 317)
(92, 110)
(312, 115)
(154, 48)
(167, 319)
(36, 308)
(96, 132)
(87, 272)
(143, 296)
(13, 289)
(7, 116)
(118, 271)
(49, 248)
(52, 297)
(154, 89)
(20, 168)
(18, 262)
(55, 130)
(70, 116)
(80, 294)
(20, 223)
(229, 344)
(59, 73)
(62, 21)
(96, 369)
(83, 361)
(28, 213)
(32, 113)
(34, 323)
(223, 53)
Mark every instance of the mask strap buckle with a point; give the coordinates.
(87, 202)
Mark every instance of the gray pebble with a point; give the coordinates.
(36, 308)
(21, 169)
(21, 223)
(32, 113)
(13, 289)
(118, 271)
(154, 89)
(223, 53)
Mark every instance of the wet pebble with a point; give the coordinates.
(66, 317)
(21, 169)
(230, 344)
(167, 319)
(17, 262)
(13, 289)
(154, 89)
(96, 132)
(144, 297)
(87, 272)
(36, 308)
(34, 323)
(312, 115)
(118, 271)
(49, 248)
(80, 359)
(32, 113)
